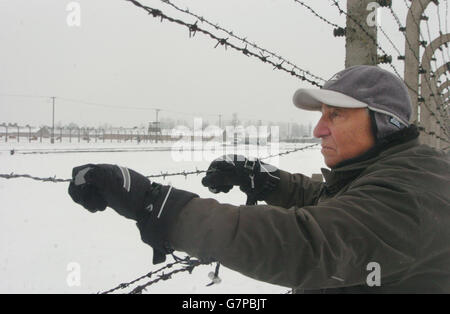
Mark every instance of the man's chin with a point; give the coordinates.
(330, 162)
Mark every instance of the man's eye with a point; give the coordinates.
(334, 114)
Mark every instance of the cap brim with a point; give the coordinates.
(312, 99)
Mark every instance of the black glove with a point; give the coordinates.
(254, 178)
(154, 206)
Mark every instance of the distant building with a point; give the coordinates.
(43, 132)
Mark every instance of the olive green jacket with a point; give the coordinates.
(390, 207)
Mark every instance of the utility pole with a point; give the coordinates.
(360, 47)
(29, 132)
(220, 121)
(157, 124)
(53, 122)
(157, 112)
(153, 127)
(5, 125)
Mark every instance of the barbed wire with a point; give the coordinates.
(390, 64)
(188, 262)
(438, 12)
(431, 133)
(442, 54)
(439, 122)
(12, 175)
(341, 11)
(317, 14)
(163, 175)
(290, 151)
(400, 26)
(194, 28)
(446, 24)
(242, 39)
(407, 10)
(432, 73)
(396, 18)
(389, 39)
(189, 265)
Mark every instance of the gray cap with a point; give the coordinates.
(363, 86)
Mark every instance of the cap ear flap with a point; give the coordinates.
(373, 123)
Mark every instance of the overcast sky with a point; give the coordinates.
(122, 57)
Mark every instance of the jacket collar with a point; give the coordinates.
(347, 170)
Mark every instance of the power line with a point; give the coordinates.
(24, 96)
(96, 104)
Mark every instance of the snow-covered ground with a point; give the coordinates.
(43, 233)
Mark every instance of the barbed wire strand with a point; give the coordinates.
(436, 117)
(418, 60)
(446, 73)
(317, 14)
(341, 11)
(242, 39)
(188, 262)
(446, 24)
(391, 65)
(194, 29)
(407, 10)
(12, 175)
(396, 18)
(433, 74)
(192, 263)
(390, 40)
(433, 59)
(438, 12)
(189, 268)
(163, 175)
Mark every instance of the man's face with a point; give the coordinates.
(345, 133)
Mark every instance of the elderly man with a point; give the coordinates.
(380, 223)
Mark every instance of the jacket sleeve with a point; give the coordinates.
(325, 246)
(295, 190)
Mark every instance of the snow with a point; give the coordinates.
(43, 232)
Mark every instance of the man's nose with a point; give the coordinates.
(321, 129)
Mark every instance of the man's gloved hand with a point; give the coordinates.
(254, 178)
(152, 205)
